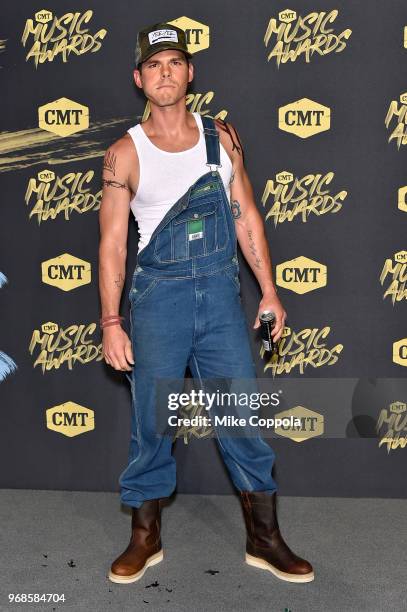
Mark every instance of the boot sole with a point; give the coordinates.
(153, 560)
(262, 564)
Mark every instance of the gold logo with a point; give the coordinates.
(70, 419)
(284, 177)
(398, 114)
(402, 199)
(46, 176)
(63, 117)
(292, 196)
(397, 273)
(394, 422)
(66, 272)
(301, 275)
(312, 424)
(304, 118)
(43, 16)
(287, 16)
(398, 407)
(196, 33)
(400, 352)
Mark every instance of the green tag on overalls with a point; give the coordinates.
(195, 229)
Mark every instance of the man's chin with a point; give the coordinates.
(166, 100)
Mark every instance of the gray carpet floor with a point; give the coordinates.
(63, 542)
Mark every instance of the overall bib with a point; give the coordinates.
(185, 310)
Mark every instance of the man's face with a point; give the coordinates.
(164, 77)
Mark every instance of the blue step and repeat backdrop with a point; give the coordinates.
(318, 93)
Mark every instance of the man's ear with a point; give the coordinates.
(191, 72)
(137, 78)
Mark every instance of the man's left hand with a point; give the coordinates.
(271, 302)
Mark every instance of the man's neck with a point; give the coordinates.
(169, 121)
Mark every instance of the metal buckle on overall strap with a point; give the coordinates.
(212, 132)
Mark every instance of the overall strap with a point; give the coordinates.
(211, 141)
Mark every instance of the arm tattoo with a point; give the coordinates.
(235, 208)
(109, 162)
(110, 183)
(119, 282)
(225, 127)
(232, 178)
(253, 250)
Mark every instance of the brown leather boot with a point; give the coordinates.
(144, 548)
(265, 547)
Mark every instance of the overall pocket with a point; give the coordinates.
(142, 286)
(197, 231)
(232, 274)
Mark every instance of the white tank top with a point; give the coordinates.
(165, 177)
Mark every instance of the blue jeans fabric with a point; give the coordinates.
(186, 310)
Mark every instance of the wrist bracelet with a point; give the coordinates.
(103, 319)
(103, 325)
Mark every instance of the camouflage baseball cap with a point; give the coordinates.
(159, 37)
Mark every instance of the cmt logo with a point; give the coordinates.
(301, 275)
(63, 117)
(70, 419)
(46, 176)
(400, 352)
(197, 34)
(402, 199)
(287, 16)
(285, 177)
(43, 16)
(398, 407)
(66, 272)
(312, 424)
(304, 118)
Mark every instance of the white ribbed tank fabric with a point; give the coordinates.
(165, 177)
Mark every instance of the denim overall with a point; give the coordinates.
(186, 310)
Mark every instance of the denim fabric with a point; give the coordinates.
(186, 310)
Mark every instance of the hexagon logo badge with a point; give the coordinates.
(66, 272)
(311, 424)
(304, 118)
(287, 16)
(398, 407)
(301, 275)
(403, 98)
(284, 177)
(70, 419)
(402, 199)
(49, 328)
(400, 257)
(63, 117)
(46, 176)
(400, 352)
(43, 16)
(196, 33)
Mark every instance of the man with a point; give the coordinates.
(183, 177)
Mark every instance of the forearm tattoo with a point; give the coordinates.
(253, 250)
(225, 127)
(235, 208)
(109, 162)
(119, 281)
(109, 183)
(232, 178)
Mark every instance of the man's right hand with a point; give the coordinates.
(117, 349)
